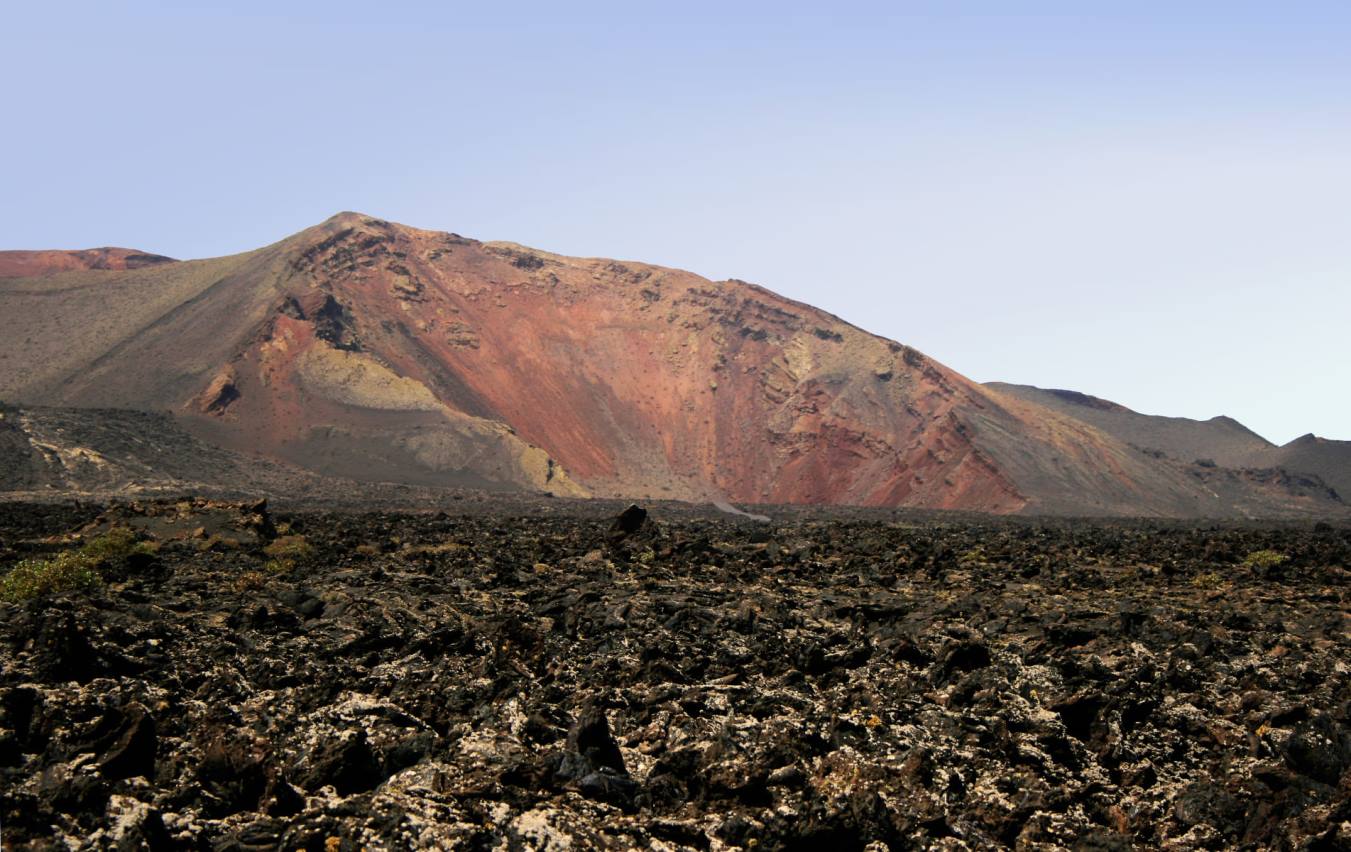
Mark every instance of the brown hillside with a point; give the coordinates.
(18, 264)
(1222, 440)
(1310, 454)
(376, 351)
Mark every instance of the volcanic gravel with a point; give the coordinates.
(553, 682)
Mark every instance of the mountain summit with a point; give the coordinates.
(379, 352)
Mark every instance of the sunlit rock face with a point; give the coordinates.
(379, 352)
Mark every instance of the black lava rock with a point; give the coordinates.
(348, 764)
(628, 522)
(133, 753)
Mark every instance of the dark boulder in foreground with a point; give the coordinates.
(593, 764)
(628, 522)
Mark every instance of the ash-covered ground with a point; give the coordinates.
(336, 680)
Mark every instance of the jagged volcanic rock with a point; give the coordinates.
(495, 681)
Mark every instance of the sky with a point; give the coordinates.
(1146, 201)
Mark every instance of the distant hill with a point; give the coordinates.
(17, 264)
(1222, 440)
(377, 352)
(1329, 459)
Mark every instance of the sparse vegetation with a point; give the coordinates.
(65, 572)
(287, 552)
(1207, 580)
(217, 542)
(437, 549)
(71, 570)
(117, 543)
(1264, 559)
(290, 547)
(972, 557)
(249, 581)
(277, 567)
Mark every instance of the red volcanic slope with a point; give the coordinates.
(374, 350)
(18, 264)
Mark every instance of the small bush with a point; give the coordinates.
(65, 572)
(973, 557)
(293, 547)
(249, 581)
(117, 543)
(218, 543)
(1264, 559)
(1208, 580)
(287, 552)
(277, 567)
(73, 570)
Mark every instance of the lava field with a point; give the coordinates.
(328, 680)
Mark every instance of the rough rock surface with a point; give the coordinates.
(432, 681)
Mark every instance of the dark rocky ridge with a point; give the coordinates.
(684, 682)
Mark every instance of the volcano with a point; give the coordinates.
(377, 352)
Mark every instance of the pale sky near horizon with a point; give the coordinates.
(1146, 201)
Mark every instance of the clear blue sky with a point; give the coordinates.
(1146, 201)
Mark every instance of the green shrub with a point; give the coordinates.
(116, 543)
(290, 547)
(1264, 559)
(72, 570)
(249, 581)
(287, 552)
(973, 557)
(277, 567)
(1208, 580)
(65, 572)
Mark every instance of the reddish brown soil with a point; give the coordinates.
(364, 349)
(21, 264)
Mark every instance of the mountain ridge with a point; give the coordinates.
(368, 350)
(26, 263)
(1224, 440)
